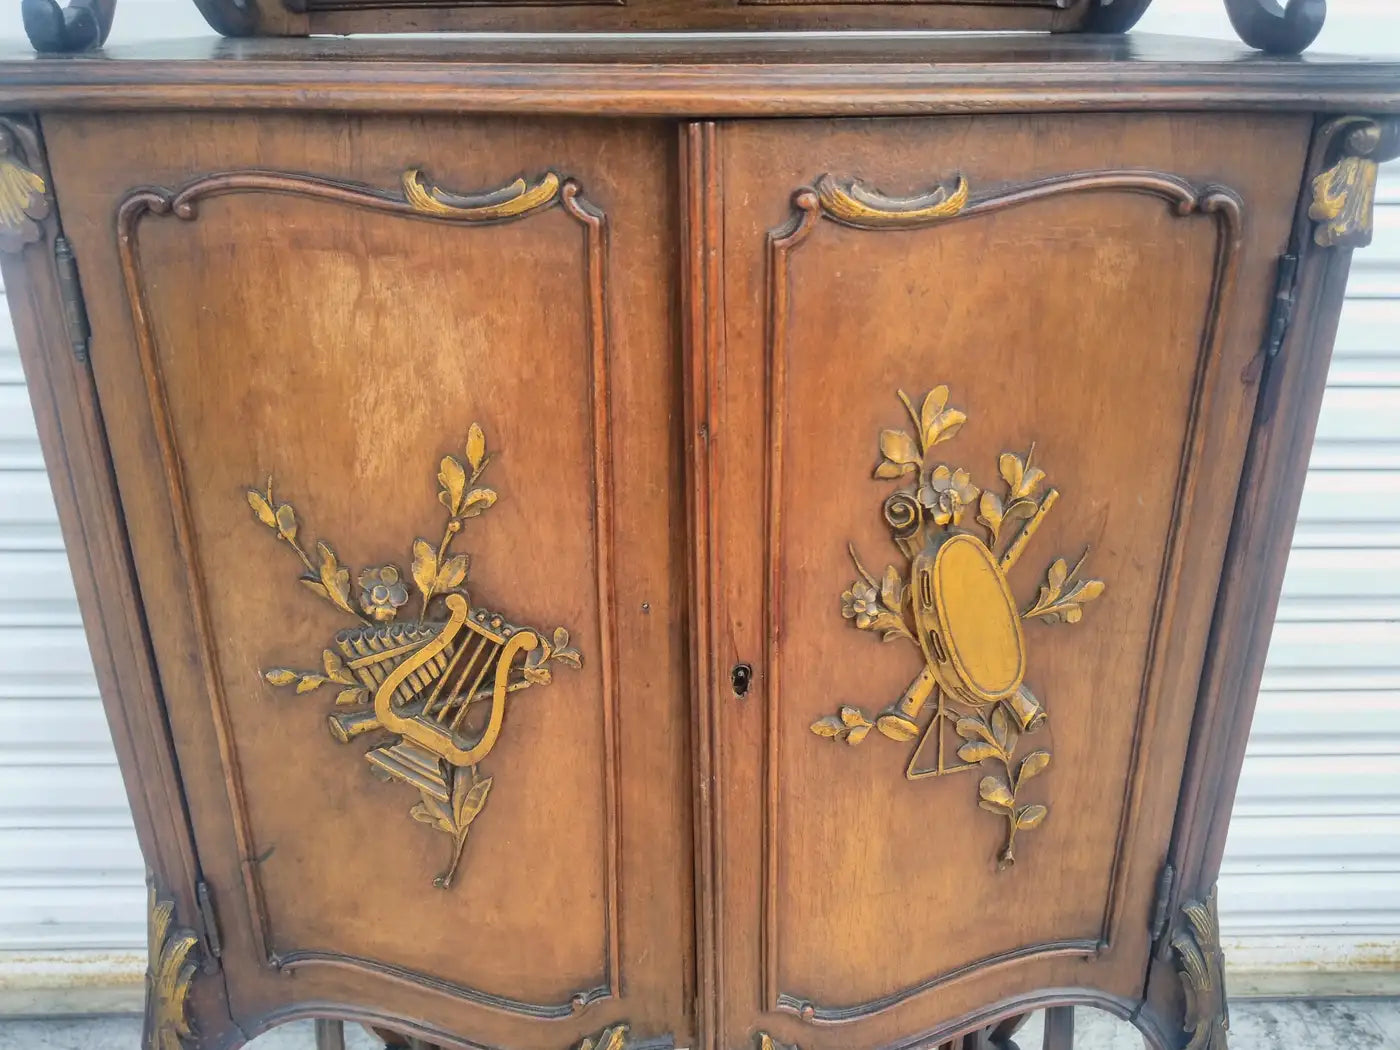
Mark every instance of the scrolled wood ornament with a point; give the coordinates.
(1344, 196)
(1201, 966)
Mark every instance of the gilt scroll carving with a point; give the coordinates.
(953, 603)
(440, 683)
(463, 210)
(24, 200)
(1344, 196)
(170, 969)
(1201, 965)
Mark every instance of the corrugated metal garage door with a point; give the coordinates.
(1312, 873)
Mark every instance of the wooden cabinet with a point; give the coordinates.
(618, 569)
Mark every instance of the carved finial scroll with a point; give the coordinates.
(81, 26)
(23, 196)
(1201, 965)
(1284, 30)
(1344, 196)
(954, 605)
(170, 969)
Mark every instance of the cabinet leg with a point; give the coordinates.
(1059, 1028)
(1001, 1033)
(330, 1035)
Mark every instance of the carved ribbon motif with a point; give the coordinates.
(955, 605)
(439, 683)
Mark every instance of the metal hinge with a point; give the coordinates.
(1165, 883)
(1285, 299)
(210, 922)
(75, 317)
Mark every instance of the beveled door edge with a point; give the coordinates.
(851, 203)
(702, 337)
(416, 199)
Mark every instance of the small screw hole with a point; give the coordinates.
(741, 678)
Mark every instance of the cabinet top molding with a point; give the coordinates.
(713, 76)
(1279, 26)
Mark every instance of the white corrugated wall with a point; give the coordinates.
(1310, 891)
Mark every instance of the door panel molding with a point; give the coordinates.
(851, 203)
(416, 200)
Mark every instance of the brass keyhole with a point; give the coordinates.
(741, 678)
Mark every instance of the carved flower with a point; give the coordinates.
(946, 493)
(861, 604)
(382, 591)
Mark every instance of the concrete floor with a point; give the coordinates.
(1329, 1024)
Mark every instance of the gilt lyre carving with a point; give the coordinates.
(954, 603)
(440, 683)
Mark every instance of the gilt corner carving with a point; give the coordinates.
(440, 683)
(613, 1038)
(954, 604)
(24, 200)
(1344, 195)
(1201, 966)
(767, 1042)
(170, 969)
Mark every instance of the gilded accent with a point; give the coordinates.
(1201, 965)
(440, 683)
(168, 976)
(509, 202)
(956, 606)
(767, 1042)
(614, 1038)
(1344, 196)
(23, 196)
(856, 204)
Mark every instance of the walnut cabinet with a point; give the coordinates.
(605, 548)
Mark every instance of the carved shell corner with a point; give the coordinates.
(1201, 966)
(24, 200)
(1344, 195)
(172, 966)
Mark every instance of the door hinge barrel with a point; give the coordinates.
(70, 291)
(1285, 299)
(1166, 882)
(210, 923)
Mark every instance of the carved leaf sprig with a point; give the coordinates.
(333, 672)
(434, 571)
(878, 605)
(934, 422)
(466, 801)
(849, 724)
(994, 739)
(325, 576)
(536, 670)
(1020, 502)
(1064, 595)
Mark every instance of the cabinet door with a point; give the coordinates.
(976, 403)
(388, 423)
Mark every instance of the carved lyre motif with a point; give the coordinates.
(441, 685)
